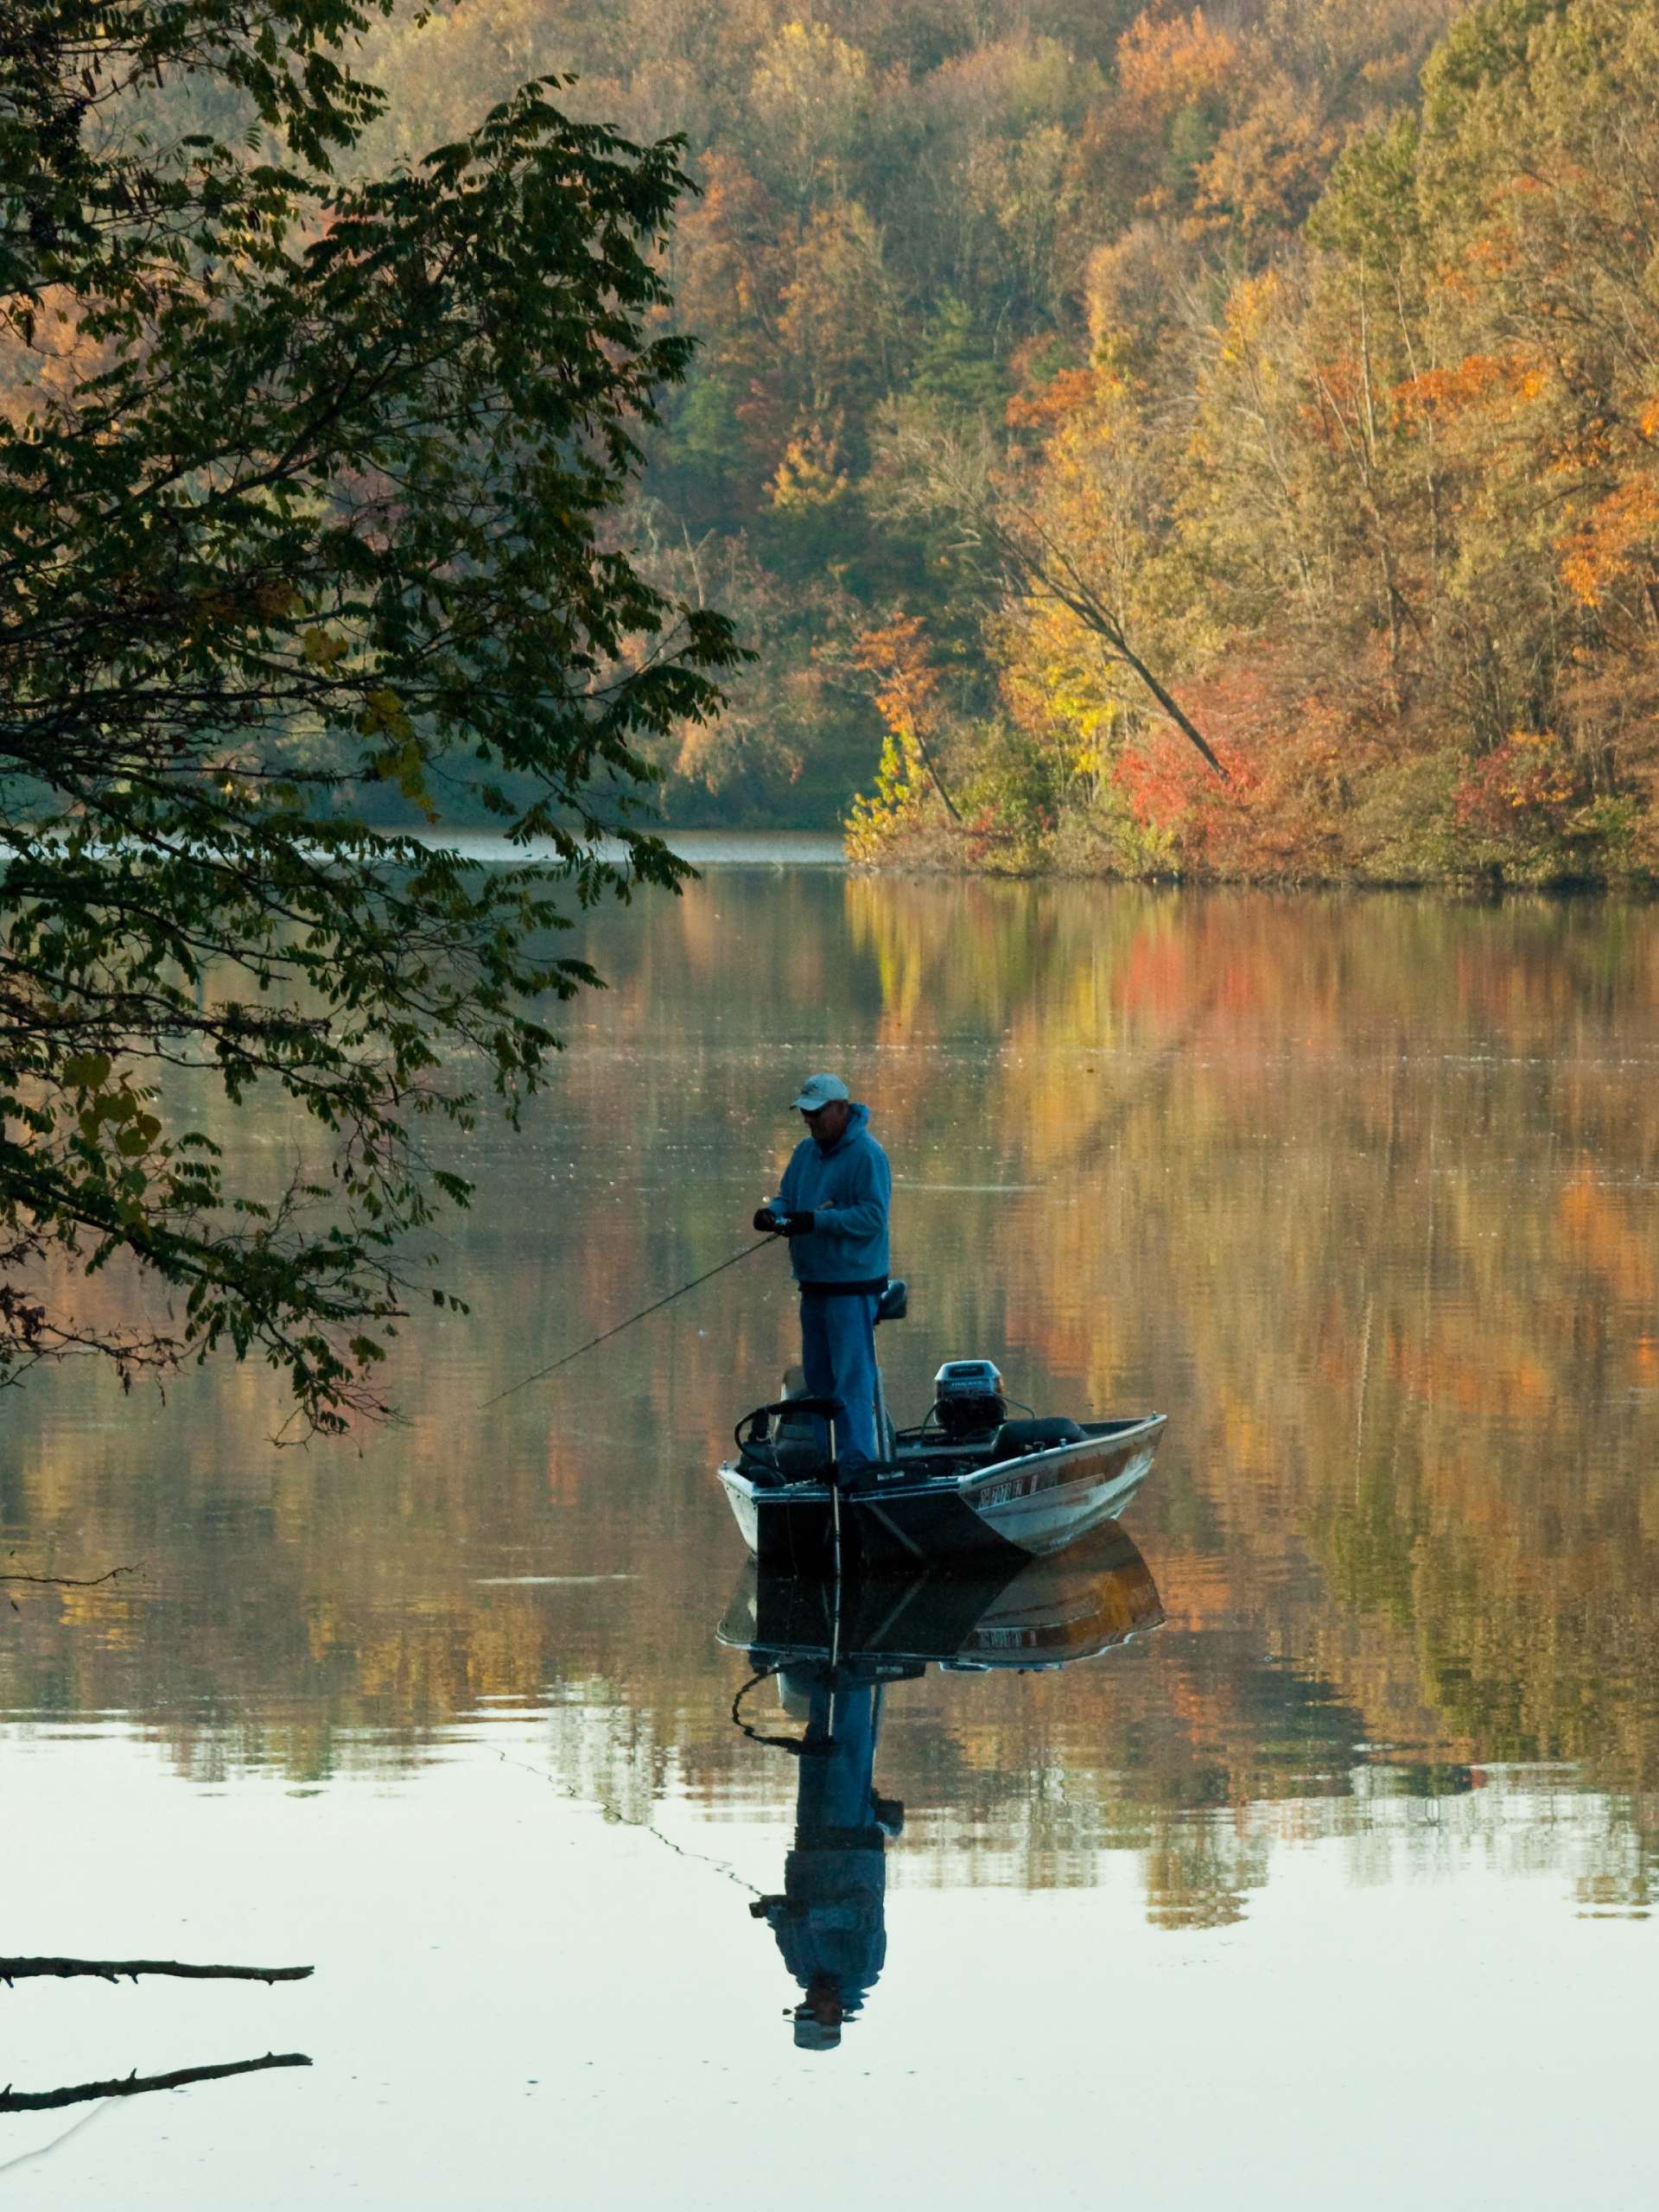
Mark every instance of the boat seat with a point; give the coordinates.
(1015, 1439)
(797, 1439)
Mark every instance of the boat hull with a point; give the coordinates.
(1026, 1508)
(1026, 1614)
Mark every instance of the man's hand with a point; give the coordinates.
(782, 1224)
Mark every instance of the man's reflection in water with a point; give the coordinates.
(833, 1649)
(831, 1922)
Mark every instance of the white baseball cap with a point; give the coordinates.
(818, 1090)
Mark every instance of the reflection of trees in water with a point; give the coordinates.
(1199, 1873)
(1359, 1190)
(1623, 1876)
(1442, 1396)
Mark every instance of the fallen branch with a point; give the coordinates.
(114, 1970)
(68, 1581)
(131, 2086)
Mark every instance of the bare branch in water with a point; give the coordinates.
(133, 2086)
(114, 1970)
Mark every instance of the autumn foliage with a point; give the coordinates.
(1319, 342)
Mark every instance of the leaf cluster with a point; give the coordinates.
(307, 487)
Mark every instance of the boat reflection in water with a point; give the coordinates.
(834, 1650)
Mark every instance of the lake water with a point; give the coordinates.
(1332, 1889)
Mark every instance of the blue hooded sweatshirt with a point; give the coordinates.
(846, 1188)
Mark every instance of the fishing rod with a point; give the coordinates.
(525, 1381)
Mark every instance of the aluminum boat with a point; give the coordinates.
(967, 1485)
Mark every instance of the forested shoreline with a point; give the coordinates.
(1127, 438)
(1307, 349)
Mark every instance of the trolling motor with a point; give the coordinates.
(968, 1401)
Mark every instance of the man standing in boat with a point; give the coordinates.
(833, 1208)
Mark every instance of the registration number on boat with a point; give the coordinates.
(1000, 1493)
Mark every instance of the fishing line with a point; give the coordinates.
(574, 1794)
(525, 1381)
(797, 1746)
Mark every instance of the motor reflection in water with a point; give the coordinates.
(835, 1649)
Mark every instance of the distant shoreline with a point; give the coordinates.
(702, 847)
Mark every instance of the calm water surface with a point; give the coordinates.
(1333, 1888)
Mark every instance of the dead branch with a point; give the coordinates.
(133, 2086)
(1008, 543)
(68, 1581)
(129, 1969)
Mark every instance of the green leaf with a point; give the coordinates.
(232, 656)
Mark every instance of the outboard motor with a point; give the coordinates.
(967, 1399)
